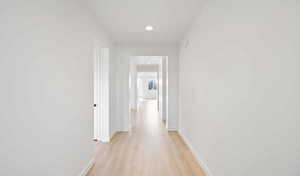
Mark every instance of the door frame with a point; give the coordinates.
(163, 74)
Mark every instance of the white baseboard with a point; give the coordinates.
(88, 167)
(197, 155)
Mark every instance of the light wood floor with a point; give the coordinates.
(148, 150)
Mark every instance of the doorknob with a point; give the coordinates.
(95, 105)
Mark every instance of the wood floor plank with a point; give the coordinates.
(148, 150)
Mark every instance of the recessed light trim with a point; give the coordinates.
(149, 28)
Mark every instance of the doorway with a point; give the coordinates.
(148, 82)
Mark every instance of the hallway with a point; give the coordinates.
(148, 150)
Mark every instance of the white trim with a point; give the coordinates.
(88, 167)
(197, 155)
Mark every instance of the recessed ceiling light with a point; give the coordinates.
(149, 28)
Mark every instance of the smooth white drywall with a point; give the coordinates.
(46, 73)
(148, 68)
(123, 54)
(133, 84)
(239, 87)
(113, 127)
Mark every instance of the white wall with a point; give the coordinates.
(46, 73)
(164, 93)
(148, 68)
(123, 53)
(133, 84)
(113, 127)
(239, 87)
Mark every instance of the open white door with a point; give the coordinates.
(101, 95)
(96, 95)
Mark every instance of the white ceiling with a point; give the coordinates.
(125, 20)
